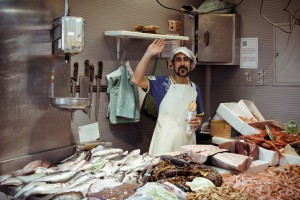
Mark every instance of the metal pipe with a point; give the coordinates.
(207, 89)
(66, 8)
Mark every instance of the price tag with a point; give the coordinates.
(291, 127)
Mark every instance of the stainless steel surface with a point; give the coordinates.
(28, 124)
(215, 38)
(54, 156)
(218, 39)
(70, 103)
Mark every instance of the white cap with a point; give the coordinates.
(187, 52)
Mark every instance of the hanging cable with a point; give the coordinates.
(260, 11)
(198, 13)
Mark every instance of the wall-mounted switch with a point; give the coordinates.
(259, 79)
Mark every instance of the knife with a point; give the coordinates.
(98, 84)
(74, 79)
(91, 69)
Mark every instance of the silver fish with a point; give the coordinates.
(12, 181)
(31, 177)
(100, 184)
(68, 196)
(67, 164)
(49, 188)
(80, 180)
(27, 187)
(83, 187)
(4, 177)
(57, 177)
(131, 177)
(133, 153)
(107, 151)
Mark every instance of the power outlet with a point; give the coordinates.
(247, 77)
(259, 79)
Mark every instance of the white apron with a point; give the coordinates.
(169, 133)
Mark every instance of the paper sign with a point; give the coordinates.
(169, 47)
(89, 132)
(249, 53)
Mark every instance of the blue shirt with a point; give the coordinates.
(159, 86)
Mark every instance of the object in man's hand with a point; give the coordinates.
(191, 113)
(146, 29)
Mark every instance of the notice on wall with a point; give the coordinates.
(249, 53)
(169, 47)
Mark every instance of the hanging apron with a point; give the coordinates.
(169, 133)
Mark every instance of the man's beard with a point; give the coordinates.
(182, 71)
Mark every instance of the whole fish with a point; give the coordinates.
(80, 180)
(131, 177)
(100, 184)
(107, 151)
(28, 169)
(49, 188)
(31, 177)
(4, 177)
(133, 153)
(12, 181)
(64, 196)
(27, 187)
(57, 177)
(83, 187)
(66, 165)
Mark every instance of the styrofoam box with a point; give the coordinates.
(230, 112)
(257, 166)
(289, 159)
(271, 157)
(250, 106)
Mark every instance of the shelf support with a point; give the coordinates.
(118, 47)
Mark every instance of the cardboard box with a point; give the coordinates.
(220, 128)
(232, 113)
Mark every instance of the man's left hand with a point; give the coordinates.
(195, 122)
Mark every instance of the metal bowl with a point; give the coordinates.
(70, 103)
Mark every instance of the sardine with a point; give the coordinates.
(57, 177)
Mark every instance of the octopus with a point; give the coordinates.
(180, 169)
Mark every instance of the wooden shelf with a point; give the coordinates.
(137, 35)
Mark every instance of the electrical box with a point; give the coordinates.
(216, 38)
(68, 35)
